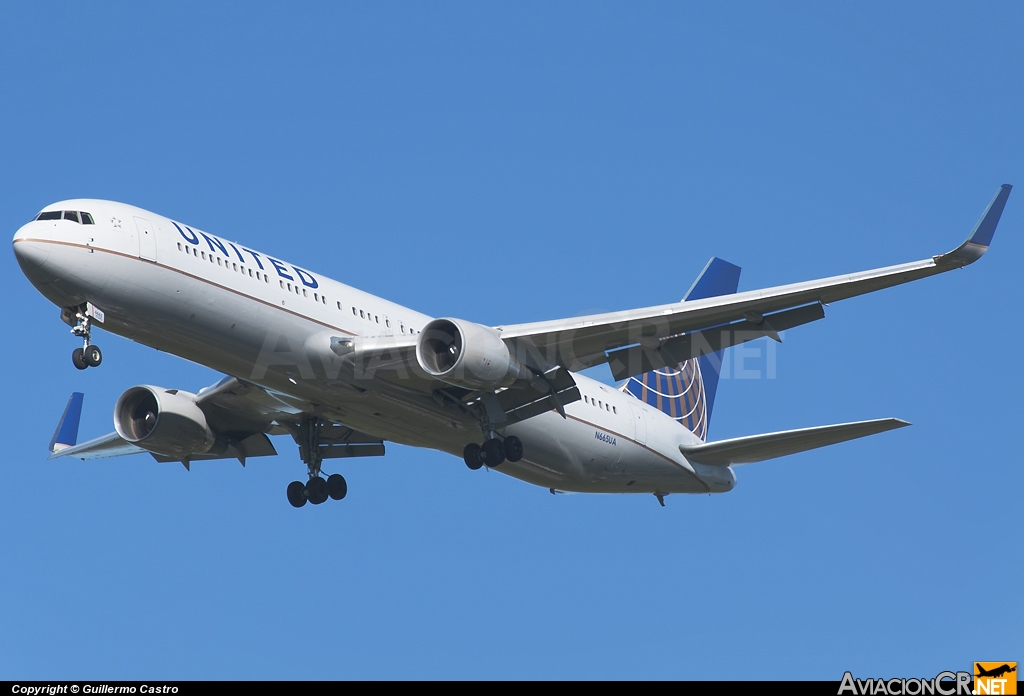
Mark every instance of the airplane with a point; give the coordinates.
(342, 371)
(996, 671)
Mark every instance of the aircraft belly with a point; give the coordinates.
(241, 336)
(574, 455)
(177, 314)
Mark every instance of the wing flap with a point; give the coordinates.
(756, 448)
(240, 448)
(638, 359)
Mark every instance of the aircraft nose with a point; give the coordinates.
(32, 255)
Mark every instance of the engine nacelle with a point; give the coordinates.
(163, 421)
(468, 355)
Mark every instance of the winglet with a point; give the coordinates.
(981, 236)
(66, 434)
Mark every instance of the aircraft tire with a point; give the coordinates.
(316, 490)
(92, 356)
(337, 487)
(513, 448)
(78, 359)
(471, 455)
(297, 494)
(493, 452)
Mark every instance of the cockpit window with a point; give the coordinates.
(81, 218)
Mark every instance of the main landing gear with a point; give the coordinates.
(88, 355)
(493, 452)
(316, 490)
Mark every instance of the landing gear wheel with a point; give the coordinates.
(471, 455)
(78, 359)
(316, 490)
(337, 488)
(297, 494)
(513, 448)
(493, 452)
(92, 356)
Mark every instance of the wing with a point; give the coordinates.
(240, 413)
(587, 341)
(635, 341)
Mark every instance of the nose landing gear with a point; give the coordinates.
(88, 355)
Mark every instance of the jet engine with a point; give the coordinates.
(468, 355)
(164, 421)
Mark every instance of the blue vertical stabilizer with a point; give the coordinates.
(687, 391)
(718, 278)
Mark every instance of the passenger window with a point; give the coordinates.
(353, 311)
(376, 318)
(179, 246)
(615, 410)
(219, 262)
(303, 292)
(361, 315)
(204, 255)
(87, 219)
(50, 215)
(234, 267)
(71, 215)
(387, 322)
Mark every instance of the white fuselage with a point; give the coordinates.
(250, 315)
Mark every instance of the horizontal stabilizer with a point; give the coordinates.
(757, 448)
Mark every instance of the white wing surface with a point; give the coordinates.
(582, 342)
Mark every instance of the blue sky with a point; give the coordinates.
(516, 162)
